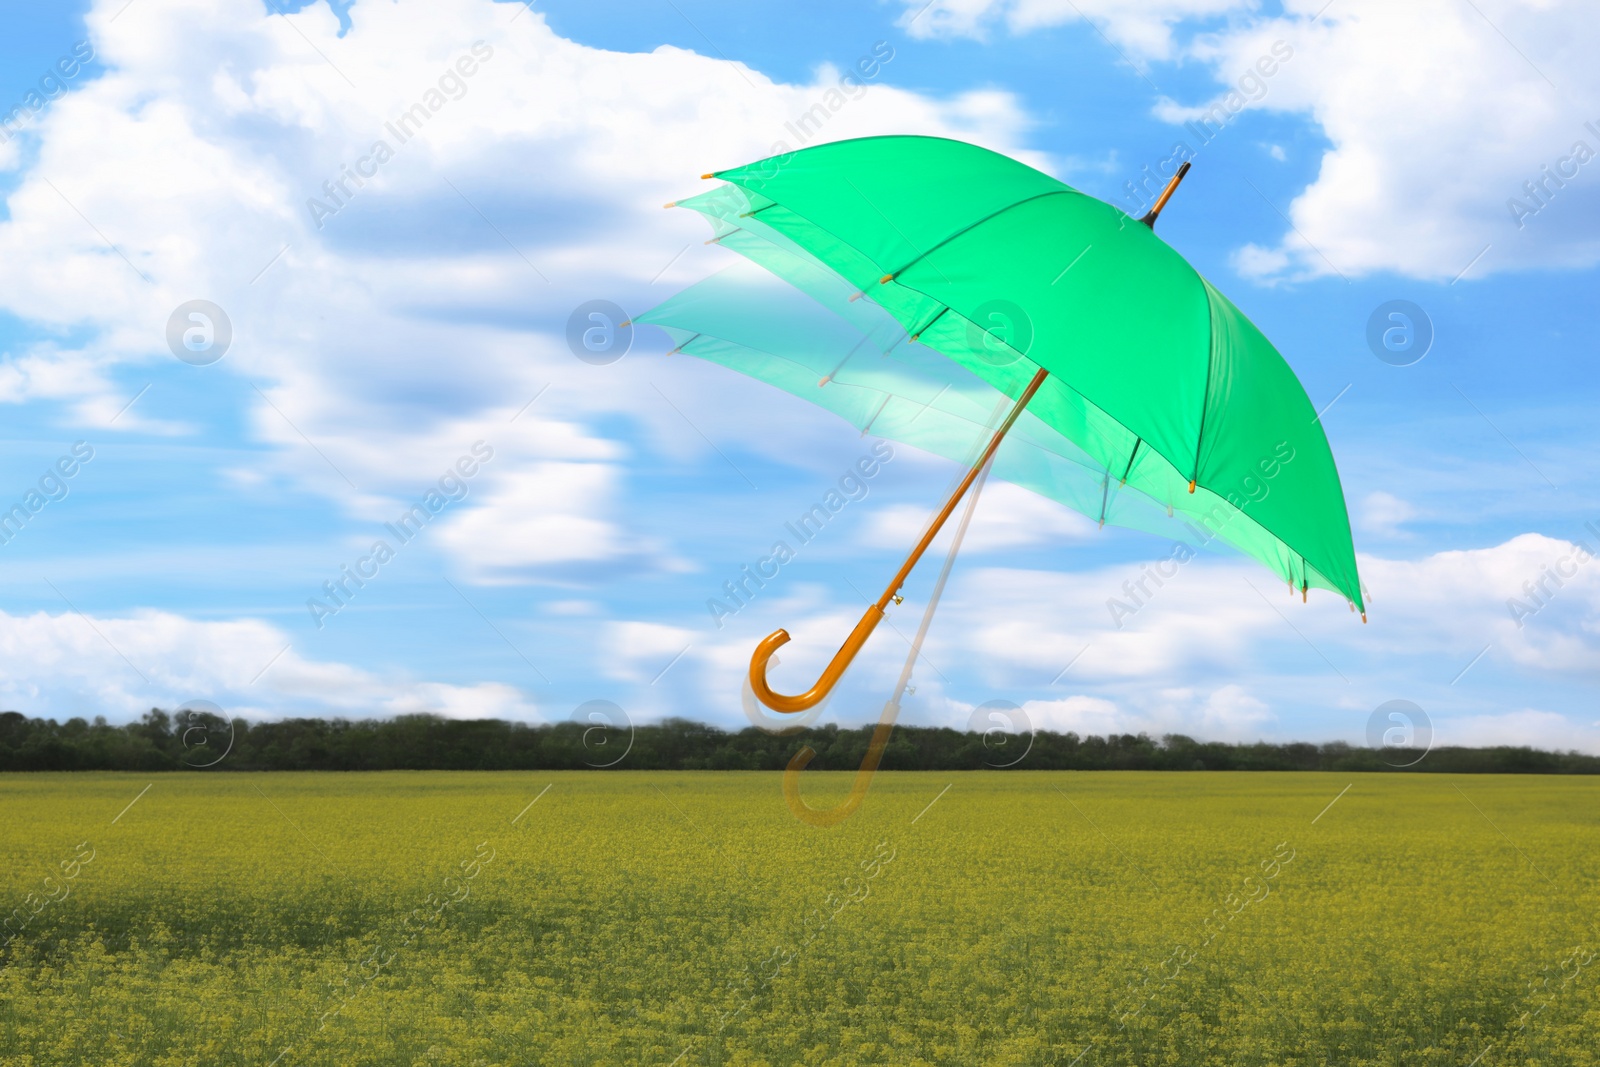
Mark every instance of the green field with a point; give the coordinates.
(660, 918)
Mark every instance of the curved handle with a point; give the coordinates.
(830, 675)
(858, 790)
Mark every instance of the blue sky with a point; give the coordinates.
(369, 355)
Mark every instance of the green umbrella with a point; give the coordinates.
(1086, 317)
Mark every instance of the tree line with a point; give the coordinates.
(190, 740)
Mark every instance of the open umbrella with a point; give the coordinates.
(1091, 322)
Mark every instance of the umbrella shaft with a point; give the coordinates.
(960, 491)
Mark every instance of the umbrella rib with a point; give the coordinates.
(931, 321)
(1137, 441)
(1205, 395)
(892, 275)
(1105, 483)
(868, 427)
(829, 376)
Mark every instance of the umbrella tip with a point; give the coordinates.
(824, 380)
(624, 324)
(1191, 485)
(1166, 194)
(705, 176)
(886, 279)
(670, 203)
(1363, 618)
(857, 295)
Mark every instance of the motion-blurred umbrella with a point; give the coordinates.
(1103, 333)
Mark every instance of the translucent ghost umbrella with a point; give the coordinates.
(869, 372)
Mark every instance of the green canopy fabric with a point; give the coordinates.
(1153, 373)
(866, 371)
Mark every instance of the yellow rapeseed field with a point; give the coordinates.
(686, 918)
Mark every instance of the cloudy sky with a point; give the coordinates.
(161, 152)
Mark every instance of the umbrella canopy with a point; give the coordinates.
(1150, 371)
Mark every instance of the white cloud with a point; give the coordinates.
(1383, 514)
(537, 520)
(1083, 715)
(1437, 114)
(428, 309)
(120, 666)
(1447, 603)
(1452, 599)
(1143, 28)
(1008, 516)
(640, 651)
(1036, 623)
(1525, 728)
(1226, 713)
